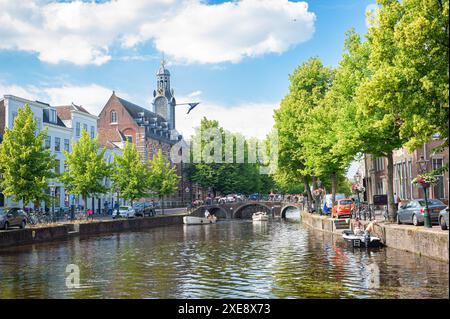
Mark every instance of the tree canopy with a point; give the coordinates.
(25, 164)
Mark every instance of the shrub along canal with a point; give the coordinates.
(230, 259)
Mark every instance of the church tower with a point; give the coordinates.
(163, 99)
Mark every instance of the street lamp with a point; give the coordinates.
(422, 169)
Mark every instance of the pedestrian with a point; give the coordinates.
(90, 214)
(396, 201)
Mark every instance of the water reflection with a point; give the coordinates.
(232, 259)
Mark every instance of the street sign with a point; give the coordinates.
(380, 199)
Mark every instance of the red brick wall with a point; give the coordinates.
(108, 131)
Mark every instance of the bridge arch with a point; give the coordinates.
(285, 208)
(218, 211)
(247, 210)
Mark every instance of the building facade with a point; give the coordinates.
(121, 120)
(64, 124)
(406, 168)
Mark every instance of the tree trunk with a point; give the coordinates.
(307, 190)
(333, 187)
(392, 213)
(316, 198)
(85, 203)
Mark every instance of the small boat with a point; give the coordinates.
(361, 241)
(193, 220)
(260, 216)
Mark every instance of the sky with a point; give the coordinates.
(234, 57)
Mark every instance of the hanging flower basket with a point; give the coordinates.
(424, 180)
(357, 188)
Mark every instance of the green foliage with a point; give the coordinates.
(411, 47)
(25, 164)
(225, 175)
(86, 168)
(129, 175)
(162, 179)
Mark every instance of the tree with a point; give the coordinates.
(162, 179)
(309, 84)
(86, 168)
(129, 174)
(25, 164)
(420, 30)
(216, 171)
(333, 128)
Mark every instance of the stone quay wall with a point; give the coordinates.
(430, 243)
(63, 232)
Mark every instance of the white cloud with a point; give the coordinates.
(93, 97)
(250, 119)
(187, 30)
(195, 94)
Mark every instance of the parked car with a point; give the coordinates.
(11, 217)
(254, 197)
(231, 198)
(342, 208)
(149, 209)
(413, 211)
(443, 218)
(125, 211)
(139, 209)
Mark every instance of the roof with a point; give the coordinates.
(64, 111)
(134, 110)
(45, 119)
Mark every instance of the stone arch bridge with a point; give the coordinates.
(244, 210)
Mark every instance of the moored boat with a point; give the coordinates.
(361, 240)
(193, 220)
(260, 216)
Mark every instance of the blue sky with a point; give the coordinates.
(240, 89)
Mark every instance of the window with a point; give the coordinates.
(47, 142)
(58, 167)
(438, 188)
(57, 144)
(379, 164)
(85, 127)
(52, 116)
(66, 144)
(113, 117)
(92, 131)
(77, 129)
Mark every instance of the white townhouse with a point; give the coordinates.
(58, 135)
(65, 124)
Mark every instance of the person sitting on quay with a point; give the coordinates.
(357, 227)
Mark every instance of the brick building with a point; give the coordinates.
(406, 168)
(121, 121)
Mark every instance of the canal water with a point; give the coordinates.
(231, 259)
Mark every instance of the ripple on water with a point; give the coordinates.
(233, 259)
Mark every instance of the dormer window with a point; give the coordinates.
(52, 116)
(113, 117)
